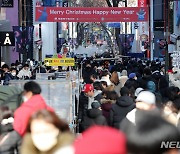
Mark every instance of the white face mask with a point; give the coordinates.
(25, 99)
(45, 141)
(13, 73)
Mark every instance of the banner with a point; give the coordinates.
(90, 14)
(59, 61)
(126, 42)
(178, 13)
(23, 38)
(176, 59)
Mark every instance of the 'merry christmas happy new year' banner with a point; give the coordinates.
(91, 14)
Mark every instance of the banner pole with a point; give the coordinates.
(0, 56)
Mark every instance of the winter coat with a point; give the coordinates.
(7, 77)
(85, 102)
(123, 80)
(106, 105)
(94, 117)
(10, 143)
(117, 88)
(86, 75)
(64, 139)
(24, 73)
(119, 110)
(83, 105)
(24, 112)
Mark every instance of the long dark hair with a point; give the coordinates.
(49, 117)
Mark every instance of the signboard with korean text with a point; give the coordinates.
(59, 61)
(91, 14)
(176, 59)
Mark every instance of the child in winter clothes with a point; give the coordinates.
(94, 116)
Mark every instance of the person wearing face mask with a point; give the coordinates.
(46, 134)
(7, 76)
(105, 76)
(14, 73)
(24, 73)
(33, 102)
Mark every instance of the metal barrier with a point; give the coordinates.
(43, 76)
(59, 94)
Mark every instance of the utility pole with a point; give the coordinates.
(151, 29)
(166, 37)
(125, 30)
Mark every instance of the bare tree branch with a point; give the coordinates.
(109, 3)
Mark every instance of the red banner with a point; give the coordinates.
(142, 3)
(90, 14)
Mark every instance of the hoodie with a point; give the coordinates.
(119, 110)
(24, 112)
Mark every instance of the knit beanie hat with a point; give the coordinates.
(146, 97)
(151, 86)
(138, 90)
(95, 105)
(132, 75)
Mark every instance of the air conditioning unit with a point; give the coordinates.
(173, 38)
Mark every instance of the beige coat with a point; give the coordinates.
(28, 147)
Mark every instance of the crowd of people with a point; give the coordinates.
(124, 107)
(24, 71)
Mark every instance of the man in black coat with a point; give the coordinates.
(123, 106)
(87, 72)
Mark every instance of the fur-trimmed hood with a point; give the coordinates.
(104, 101)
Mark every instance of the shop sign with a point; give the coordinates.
(7, 39)
(176, 59)
(7, 3)
(59, 61)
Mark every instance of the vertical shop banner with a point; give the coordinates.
(126, 42)
(91, 14)
(142, 3)
(132, 3)
(23, 38)
(178, 13)
(65, 4)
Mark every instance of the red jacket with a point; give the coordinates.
(24, 112)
